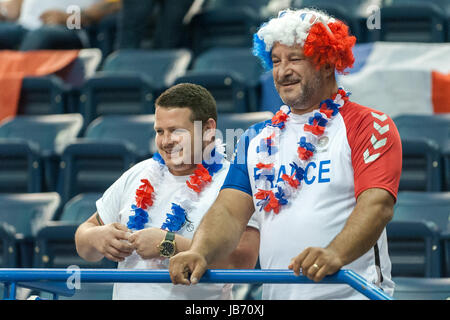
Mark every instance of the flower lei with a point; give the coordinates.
(272, 199)
(183, 202)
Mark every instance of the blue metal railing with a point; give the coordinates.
(54, 280)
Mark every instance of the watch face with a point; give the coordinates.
(167, 248)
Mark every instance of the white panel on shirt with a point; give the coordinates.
(315, 215)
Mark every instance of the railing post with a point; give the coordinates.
(12, 291)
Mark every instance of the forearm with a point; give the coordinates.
(245, 255)
(363, 227)
(217, 235)
(222, 226)
(233, 261)
(84, 237)
(183, 244)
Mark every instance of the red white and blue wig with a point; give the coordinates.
(324, 39)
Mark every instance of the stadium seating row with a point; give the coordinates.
(52, 153)
(232, 23)
(130, 81)
(38, 231)
(49, 153)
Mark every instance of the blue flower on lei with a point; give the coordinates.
(176, 219)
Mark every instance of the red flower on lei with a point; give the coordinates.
(291, 180)
(199, 179)
(272, 204)
(280, 117)
(144, 195)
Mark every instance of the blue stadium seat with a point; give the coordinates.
(130, 81)
(162, 66)
(433, 126)
(137, 130)
(20, 166)
(424, 206)
(227, 26)
(26, 213)
(407, 288)
(124, 94)
(238, 60)
(110, 146)
(55, 248)
(256, 5)
(102, 35)
(9, 257)
(43, 95)
(55, 242)
(428, 206)
(228, 89)
(92, 166)
(49, 133)
(416, 21)
(446, 156)
(436, 130)
(232, 125)
(422, 166)
(414, 249)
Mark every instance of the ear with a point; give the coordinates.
(209, 129)
(328, 70)
(210, 124)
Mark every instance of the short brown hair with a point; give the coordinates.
(192, 96)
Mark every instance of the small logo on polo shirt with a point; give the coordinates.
(322, 144)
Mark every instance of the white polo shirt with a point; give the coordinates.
(115, 206)
(360, 149)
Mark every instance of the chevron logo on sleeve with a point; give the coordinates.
(379, 142)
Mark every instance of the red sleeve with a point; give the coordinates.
(376, 149)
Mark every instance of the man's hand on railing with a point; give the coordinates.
(187, 268)
(316, 263)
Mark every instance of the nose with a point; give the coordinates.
(167, 140)
(284, 70)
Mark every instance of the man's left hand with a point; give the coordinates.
(316, 263)
(146, 242)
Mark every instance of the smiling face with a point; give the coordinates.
(180, 140)
(296, 78)
(175, 138)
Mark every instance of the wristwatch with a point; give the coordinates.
(168, 247)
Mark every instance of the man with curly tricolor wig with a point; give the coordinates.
(316, 40)
(321, 176)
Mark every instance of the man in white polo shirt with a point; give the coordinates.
(162, 200)
(322, 175)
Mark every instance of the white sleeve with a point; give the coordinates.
(254, 221)
(108, 206)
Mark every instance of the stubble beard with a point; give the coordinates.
(306, 99)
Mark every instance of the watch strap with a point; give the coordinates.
(170, 236)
